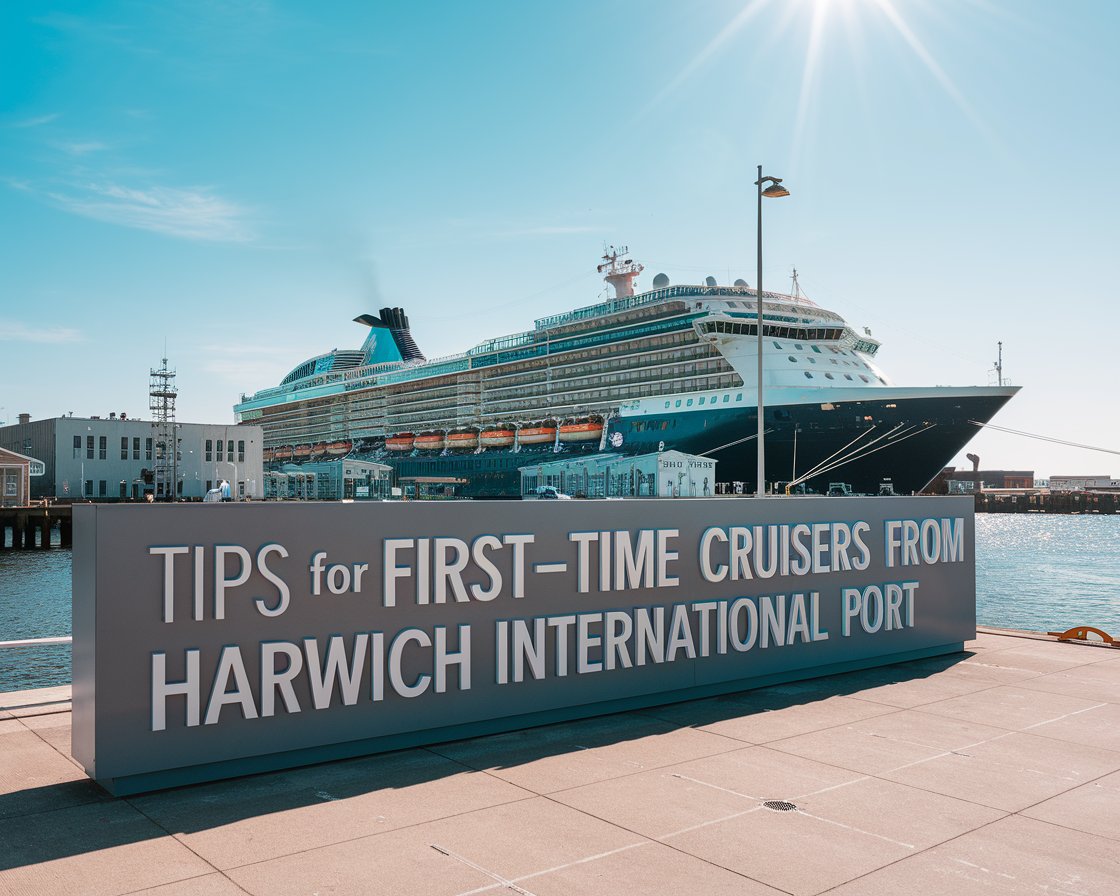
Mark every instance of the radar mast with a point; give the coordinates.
(619, 271)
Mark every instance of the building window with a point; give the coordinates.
(241, 451)
(103, 447)
(136, 448)
(209, 484)
(147, 449)
(77, 447)
(229, 450)
(101, 490)
(221, 449)
(89, 489)
(124, 489)
(209, 450)
(89, 447)
(124, 449)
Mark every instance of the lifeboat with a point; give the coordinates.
(284, 452)
(582, 429)
(402, 441)
(463, 438)
(301, 452)
(430, 441)
(538, 433)
(319, 450)
(336, 449)
(499, 436)
(267, 455)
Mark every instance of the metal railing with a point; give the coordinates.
(36, 642)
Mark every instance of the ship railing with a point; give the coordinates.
(660, 295)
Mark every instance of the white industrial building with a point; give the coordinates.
(113, 458)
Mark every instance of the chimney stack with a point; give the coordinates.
(24, 418)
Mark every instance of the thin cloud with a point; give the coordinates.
(194, 213)
(14, 331)
(81, 148)
(38, 121)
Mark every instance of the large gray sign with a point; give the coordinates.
(213, 640)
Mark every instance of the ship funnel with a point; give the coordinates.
(975, 458)
(397, 322)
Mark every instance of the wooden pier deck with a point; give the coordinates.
(30, 527)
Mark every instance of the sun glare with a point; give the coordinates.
(820, 18)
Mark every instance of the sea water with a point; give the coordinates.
(1040, 572)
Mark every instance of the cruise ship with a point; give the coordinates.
(670, 367)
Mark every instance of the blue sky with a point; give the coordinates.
(241, 179)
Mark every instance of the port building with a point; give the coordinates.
(113, 458)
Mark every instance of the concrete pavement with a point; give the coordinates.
(992, 771)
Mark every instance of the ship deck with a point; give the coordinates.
(996, 770)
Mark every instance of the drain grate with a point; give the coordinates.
(779, 806)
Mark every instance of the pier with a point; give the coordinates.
(1053, 502)
(995, 770)
(31, 526)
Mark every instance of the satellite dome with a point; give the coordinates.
(660, 280)
(741, 282)
(709, 281)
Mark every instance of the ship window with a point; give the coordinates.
(701, 400)
(808, 375)
(865, 379)
(727, 398)
(778, 346)
(812, 360)
(798, 346)
(792, 359)
(847, 376)
(688, 403)
(829, 376)
(666, 404)
(678, 402)
(814, 348)
(739, 397)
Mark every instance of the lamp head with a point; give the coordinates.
(775, 190)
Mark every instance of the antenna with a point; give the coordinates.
(999, 364)
(795, 288)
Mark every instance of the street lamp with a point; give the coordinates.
(774, 191)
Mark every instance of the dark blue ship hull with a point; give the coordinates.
(905, 436)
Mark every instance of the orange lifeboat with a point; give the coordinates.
(337, 449)
(266, 455)
(538, 433)
(582, 429)
(430, 441)
(301, 452)
(500, 436)
(462, 438)
(284, 452)
(402, 441)
(319, 450)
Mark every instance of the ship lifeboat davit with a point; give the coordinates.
(402, 441)
(500, 436)
(538, 433)
(582, 429)
(430, 441)
(462, 438)
(337, 449)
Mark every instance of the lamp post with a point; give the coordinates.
(773, 191)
